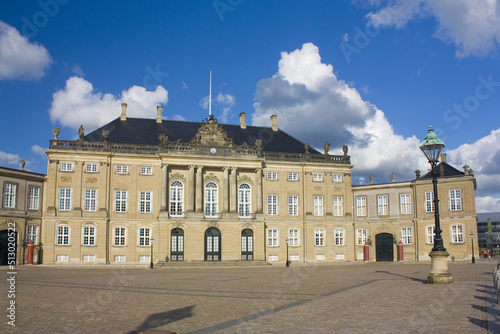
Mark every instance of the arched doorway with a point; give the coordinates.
(177, 245)
(8, 244)
(385, 247)
(212, 244)
(247, 245)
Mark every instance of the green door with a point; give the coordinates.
(384, 247)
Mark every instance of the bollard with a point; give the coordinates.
(400, 251)
(30, 252)
(366, 252)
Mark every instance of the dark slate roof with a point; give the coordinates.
(141, 131)
(449, 171)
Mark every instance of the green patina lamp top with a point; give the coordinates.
(431, 139)
(432, 146)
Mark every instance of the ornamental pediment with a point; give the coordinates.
(211, 133)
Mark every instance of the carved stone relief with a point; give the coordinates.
(66, 179)
(245, 179)
(177, 176)
(211, 177)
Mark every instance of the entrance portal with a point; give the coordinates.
(177, 245)
(385, 247)
(7, 246)
(212, 244)
(247, 245)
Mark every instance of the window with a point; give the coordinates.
(91, 168)
(64, 199)
(145, 202)
(294, 257)
(272, 258)
(293, 205)
(176, 198)
(429, 234)
(383, 205)
(339, 256)
(121, 169)
(9, 195)
(62, 258)
(457, 234)
(429, 201)
(318, 177)
(406, 235)
(293, 237)
(144, 236)
(146, 170)
(244, 200)
(272, 205)
(32, 234)
(121, 201)
(90, 199)
(405, 203)
(33, 198)
(337, 177)
(272, 175)
(88, 235)
(338, 208)
(144, 258)
(62, 237)
(361, 206)
(455, 200)
(211, 199)
(272, 238)
(119, 236)
(293, 176)
(320, 257)
(361, 236)
(318, 205)
(319, 237)
(120, 258)
(88, 258)
(66, 166)
(339, 236)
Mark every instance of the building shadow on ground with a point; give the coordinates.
(160, 319)
(423, 281)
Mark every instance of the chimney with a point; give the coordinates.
(159, 109)
(243, 123)
(123, 117)
(443, 157)
(274, 122)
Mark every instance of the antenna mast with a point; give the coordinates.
(210, 96)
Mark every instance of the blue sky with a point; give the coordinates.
(370, 74)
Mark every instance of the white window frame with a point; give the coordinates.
(244, 200)
(66, 166)
(120, 258)
(65, 195)
(91, 168)
(293, 237)
(176, 198)
(33, 198)
(318, 205)
(146, 170)
(121, 169)
(336, 177)
(338, 206)
(144, 236)
(361, 208)
(272, 205)
(407, 235)
(457, 234)
(9, 195)
(211, 199)
(145, 201)
(272, 237)
(272, 175)
(121, 201)
(455, 196)
(88, 235)
(429, 201)
(429, 234)
(121, 236)
(383, 205)
(361, 236)
(293, 176)
(319, 237)
(318, 177)
(90, 200)
(32, 234)
(63, 235)
(293, 205)
(339, 234)
(405, 204)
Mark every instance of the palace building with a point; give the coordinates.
(190, 191)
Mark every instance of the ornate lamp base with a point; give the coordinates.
(439, 272)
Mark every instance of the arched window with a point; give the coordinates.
(211, 199)
(176, 198)
(244, 200)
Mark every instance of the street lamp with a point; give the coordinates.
(287, 260)
(432, 146)
(151, 257)
(472, 242)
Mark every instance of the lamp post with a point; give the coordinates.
(287, 260)
(432, 146)
(472, 242)
(151, 257)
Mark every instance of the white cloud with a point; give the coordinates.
(487, 204)
(38, 150)
(77, 104)
(20, 59)
(472, 26)
(184, 85)
(224, 102)
(77, 70)
(7, 159)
